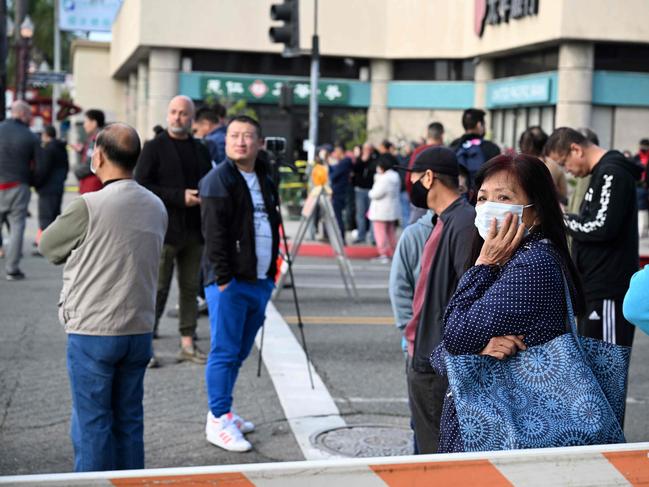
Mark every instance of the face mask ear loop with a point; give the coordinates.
(529, 230)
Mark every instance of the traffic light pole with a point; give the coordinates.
(56, 87)
(313, 102)
(315, 73)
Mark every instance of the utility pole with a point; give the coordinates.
(315, 73)
(56, 88)
(20, 7)
(3, 58)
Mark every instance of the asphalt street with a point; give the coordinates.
(353, 345)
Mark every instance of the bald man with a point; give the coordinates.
(171, 166)
(19, 152)
(107, 304)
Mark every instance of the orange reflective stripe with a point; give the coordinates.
(458, 474)
(634, 465)
(200, 480)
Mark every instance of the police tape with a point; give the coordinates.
(624, 464)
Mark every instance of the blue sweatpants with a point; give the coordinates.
(236, 314)
(107, 383)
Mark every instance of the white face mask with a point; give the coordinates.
(487, 211)
(92, 167)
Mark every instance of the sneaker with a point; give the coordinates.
(202, 306)
(243, 425)
(15, 276)
(153, 363)
(224, 433)
(191, 354)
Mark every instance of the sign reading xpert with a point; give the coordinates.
(494, 12)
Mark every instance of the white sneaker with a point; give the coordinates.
(223, 432)
(243, 425)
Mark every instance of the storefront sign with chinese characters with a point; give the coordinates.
(264, 90)
(494, 12)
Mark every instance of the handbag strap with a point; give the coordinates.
(570, 317)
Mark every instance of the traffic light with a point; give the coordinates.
(289, 32)
(286, 97)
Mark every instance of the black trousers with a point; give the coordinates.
(49, 207)
(426, 393)
(604, 320)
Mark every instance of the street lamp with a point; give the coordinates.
(27, 28)
(23, 46)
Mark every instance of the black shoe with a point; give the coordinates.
(15, 276)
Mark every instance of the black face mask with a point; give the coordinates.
(419, 194)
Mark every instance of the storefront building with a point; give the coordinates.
(403, 63)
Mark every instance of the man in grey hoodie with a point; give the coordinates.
(406, 267)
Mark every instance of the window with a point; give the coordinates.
(508, 124)
(622, 57)
(433, 70)
(273, 64)
(527, 63)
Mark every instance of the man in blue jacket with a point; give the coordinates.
(241, 228)
(340, 170)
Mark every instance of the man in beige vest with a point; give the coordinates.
(110, 242)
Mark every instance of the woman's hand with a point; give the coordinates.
(501, 244)
(504, 346)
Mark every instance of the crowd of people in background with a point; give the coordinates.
(352, 181)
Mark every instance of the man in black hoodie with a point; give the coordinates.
(50, 177)
(605, 232)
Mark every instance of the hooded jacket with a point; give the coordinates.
(406, 266)
(605, 232)
(385, 205)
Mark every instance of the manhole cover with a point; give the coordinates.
(365, 441)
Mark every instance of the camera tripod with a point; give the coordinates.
(289, 262)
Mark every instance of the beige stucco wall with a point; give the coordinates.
(368, 28)
(93, 85)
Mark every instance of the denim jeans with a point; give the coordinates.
(404, 199)
(106, 379)
(362, 207)
(236, 314)
(338, 204)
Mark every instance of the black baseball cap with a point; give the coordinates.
(438, 159)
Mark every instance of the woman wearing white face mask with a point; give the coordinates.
(512, 296)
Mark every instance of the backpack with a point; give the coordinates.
(471, 157)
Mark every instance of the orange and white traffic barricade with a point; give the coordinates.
(619, 465)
